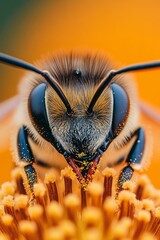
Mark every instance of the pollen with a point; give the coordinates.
(63, 210)
(80, 155)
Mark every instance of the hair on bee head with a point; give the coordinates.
(22, 64)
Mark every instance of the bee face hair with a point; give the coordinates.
(79, 76)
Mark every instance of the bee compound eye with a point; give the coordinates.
(38, 115)
(37, 111)
(120, 108)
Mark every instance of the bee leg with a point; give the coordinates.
(26, 160)
(133, 159)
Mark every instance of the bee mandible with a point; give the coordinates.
(78, 106)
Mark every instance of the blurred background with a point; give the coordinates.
(125, 31)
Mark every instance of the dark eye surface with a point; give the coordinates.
(38, 115)
(37, 110)
(120, 108)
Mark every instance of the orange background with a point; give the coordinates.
(126, 31)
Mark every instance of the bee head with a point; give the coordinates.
(81, 136)
(77, 107)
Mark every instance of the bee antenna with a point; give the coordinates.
(104, 83)
(4, 58)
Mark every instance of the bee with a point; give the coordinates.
(72, 112)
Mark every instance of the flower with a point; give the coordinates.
(62, 210)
